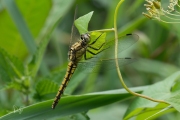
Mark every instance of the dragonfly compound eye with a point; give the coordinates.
(85, 37)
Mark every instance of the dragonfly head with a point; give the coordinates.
(85, 38)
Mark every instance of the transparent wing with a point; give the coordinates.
(124, 42)
(106, 55)
(74, 34)
(108, 64)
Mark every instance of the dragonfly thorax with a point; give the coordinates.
(85, 38)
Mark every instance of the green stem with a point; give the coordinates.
(116, 60)
(103, 30)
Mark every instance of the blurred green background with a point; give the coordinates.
(26, 24)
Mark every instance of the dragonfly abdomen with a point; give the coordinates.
(75, 54)
(70, 70)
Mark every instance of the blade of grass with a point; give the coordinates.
(70, 105)
(21, 25)
(23, 29)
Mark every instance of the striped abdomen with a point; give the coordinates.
(70, 70)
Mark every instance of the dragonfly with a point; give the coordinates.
(86, 53)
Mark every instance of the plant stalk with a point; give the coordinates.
(116, 60)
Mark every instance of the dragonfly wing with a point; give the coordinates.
(124, 42)
(105, 56)
(93, 66)
(74, 32)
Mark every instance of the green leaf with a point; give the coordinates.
(45, 87)
(70, 105)
(82, 23)
(161, 91)
(34, 16)
(21, 25)
(35, 63)
(101, 40)
(56, 14)
(131, 26)
(12, 73)
(80, 116)
(155, 67)
(10, 67)
(174, 100)
(54, 17)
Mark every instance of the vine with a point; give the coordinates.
(116, 60)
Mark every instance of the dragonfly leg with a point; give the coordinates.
(96, 48)
(95, 40)
(87, 50)
(86, 57)
(94, 53)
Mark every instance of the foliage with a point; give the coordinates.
(33, 59)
